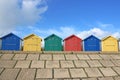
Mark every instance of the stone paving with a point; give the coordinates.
(59, 66)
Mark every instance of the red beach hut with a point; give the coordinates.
(72, 43)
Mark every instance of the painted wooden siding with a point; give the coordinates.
(91, 43)
(32, 43)
(110, 44)
(73, 43)
(53, 43)
(0, 44)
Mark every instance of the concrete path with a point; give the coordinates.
(59, 66)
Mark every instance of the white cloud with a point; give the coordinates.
(66, 31)
(116, 34)
(94, 31)
(63, 31)
(15, 13)
(69, 30)
(103, 25)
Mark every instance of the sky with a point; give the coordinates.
(61, 17)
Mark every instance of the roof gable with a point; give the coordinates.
(9, 35)
(53, 35)
(31, 35)
(108, 38)
(91, 36)
(71, 37)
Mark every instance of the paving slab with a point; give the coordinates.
(7, 56)
(80, 63)
(117, 69)
(37, 64)
(90, 79)
(115, 56)
(105, 56)
(77, 73)
(1, 69)
(52, 64)
(95, 56)
(58, 57)
(106, 63)
(19, 57)
(46, 57)
(83, 56)
(22, 64)
(26, 74)
(1, 55)
(32, 57)
(44, 73)
(71, 57)
(94, 63)
(9, 74)
(93, 72)
(117, 78)
(116, 62)
(61, 73)
(106, 78)
(7, 63)
(67, 64)
(68, 79)
(45, 79)
(108, 72)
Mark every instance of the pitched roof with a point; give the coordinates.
(108, 37)
(72, 36)
(10, 34)
(91, 36)
(51, 36)
(31, 35)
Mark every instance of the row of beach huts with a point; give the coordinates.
(54, 43)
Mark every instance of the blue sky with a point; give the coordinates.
(62, 17)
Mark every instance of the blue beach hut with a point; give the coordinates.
(0, 43)
(11, 42)
(92, 43)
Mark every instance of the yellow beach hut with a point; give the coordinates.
(32, 43)
(109, 44)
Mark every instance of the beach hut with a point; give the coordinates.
(72, 43)
(32, 42)
(119, 44)
(0, 43)
(92, 43)
(53, 43)
(11, 42)
(109, 44)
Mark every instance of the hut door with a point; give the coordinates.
(75, 44)
(11, 44)
(110, 46)
(55, 44)
(90, 45)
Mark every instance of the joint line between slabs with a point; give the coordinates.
(12, 56)
(15, 63)
(2, 71)
(26, 56)
(115, 71)
(18, 73)
(35, 74)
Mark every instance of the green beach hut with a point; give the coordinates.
(53, 43)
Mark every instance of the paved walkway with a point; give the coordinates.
(36, 66)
